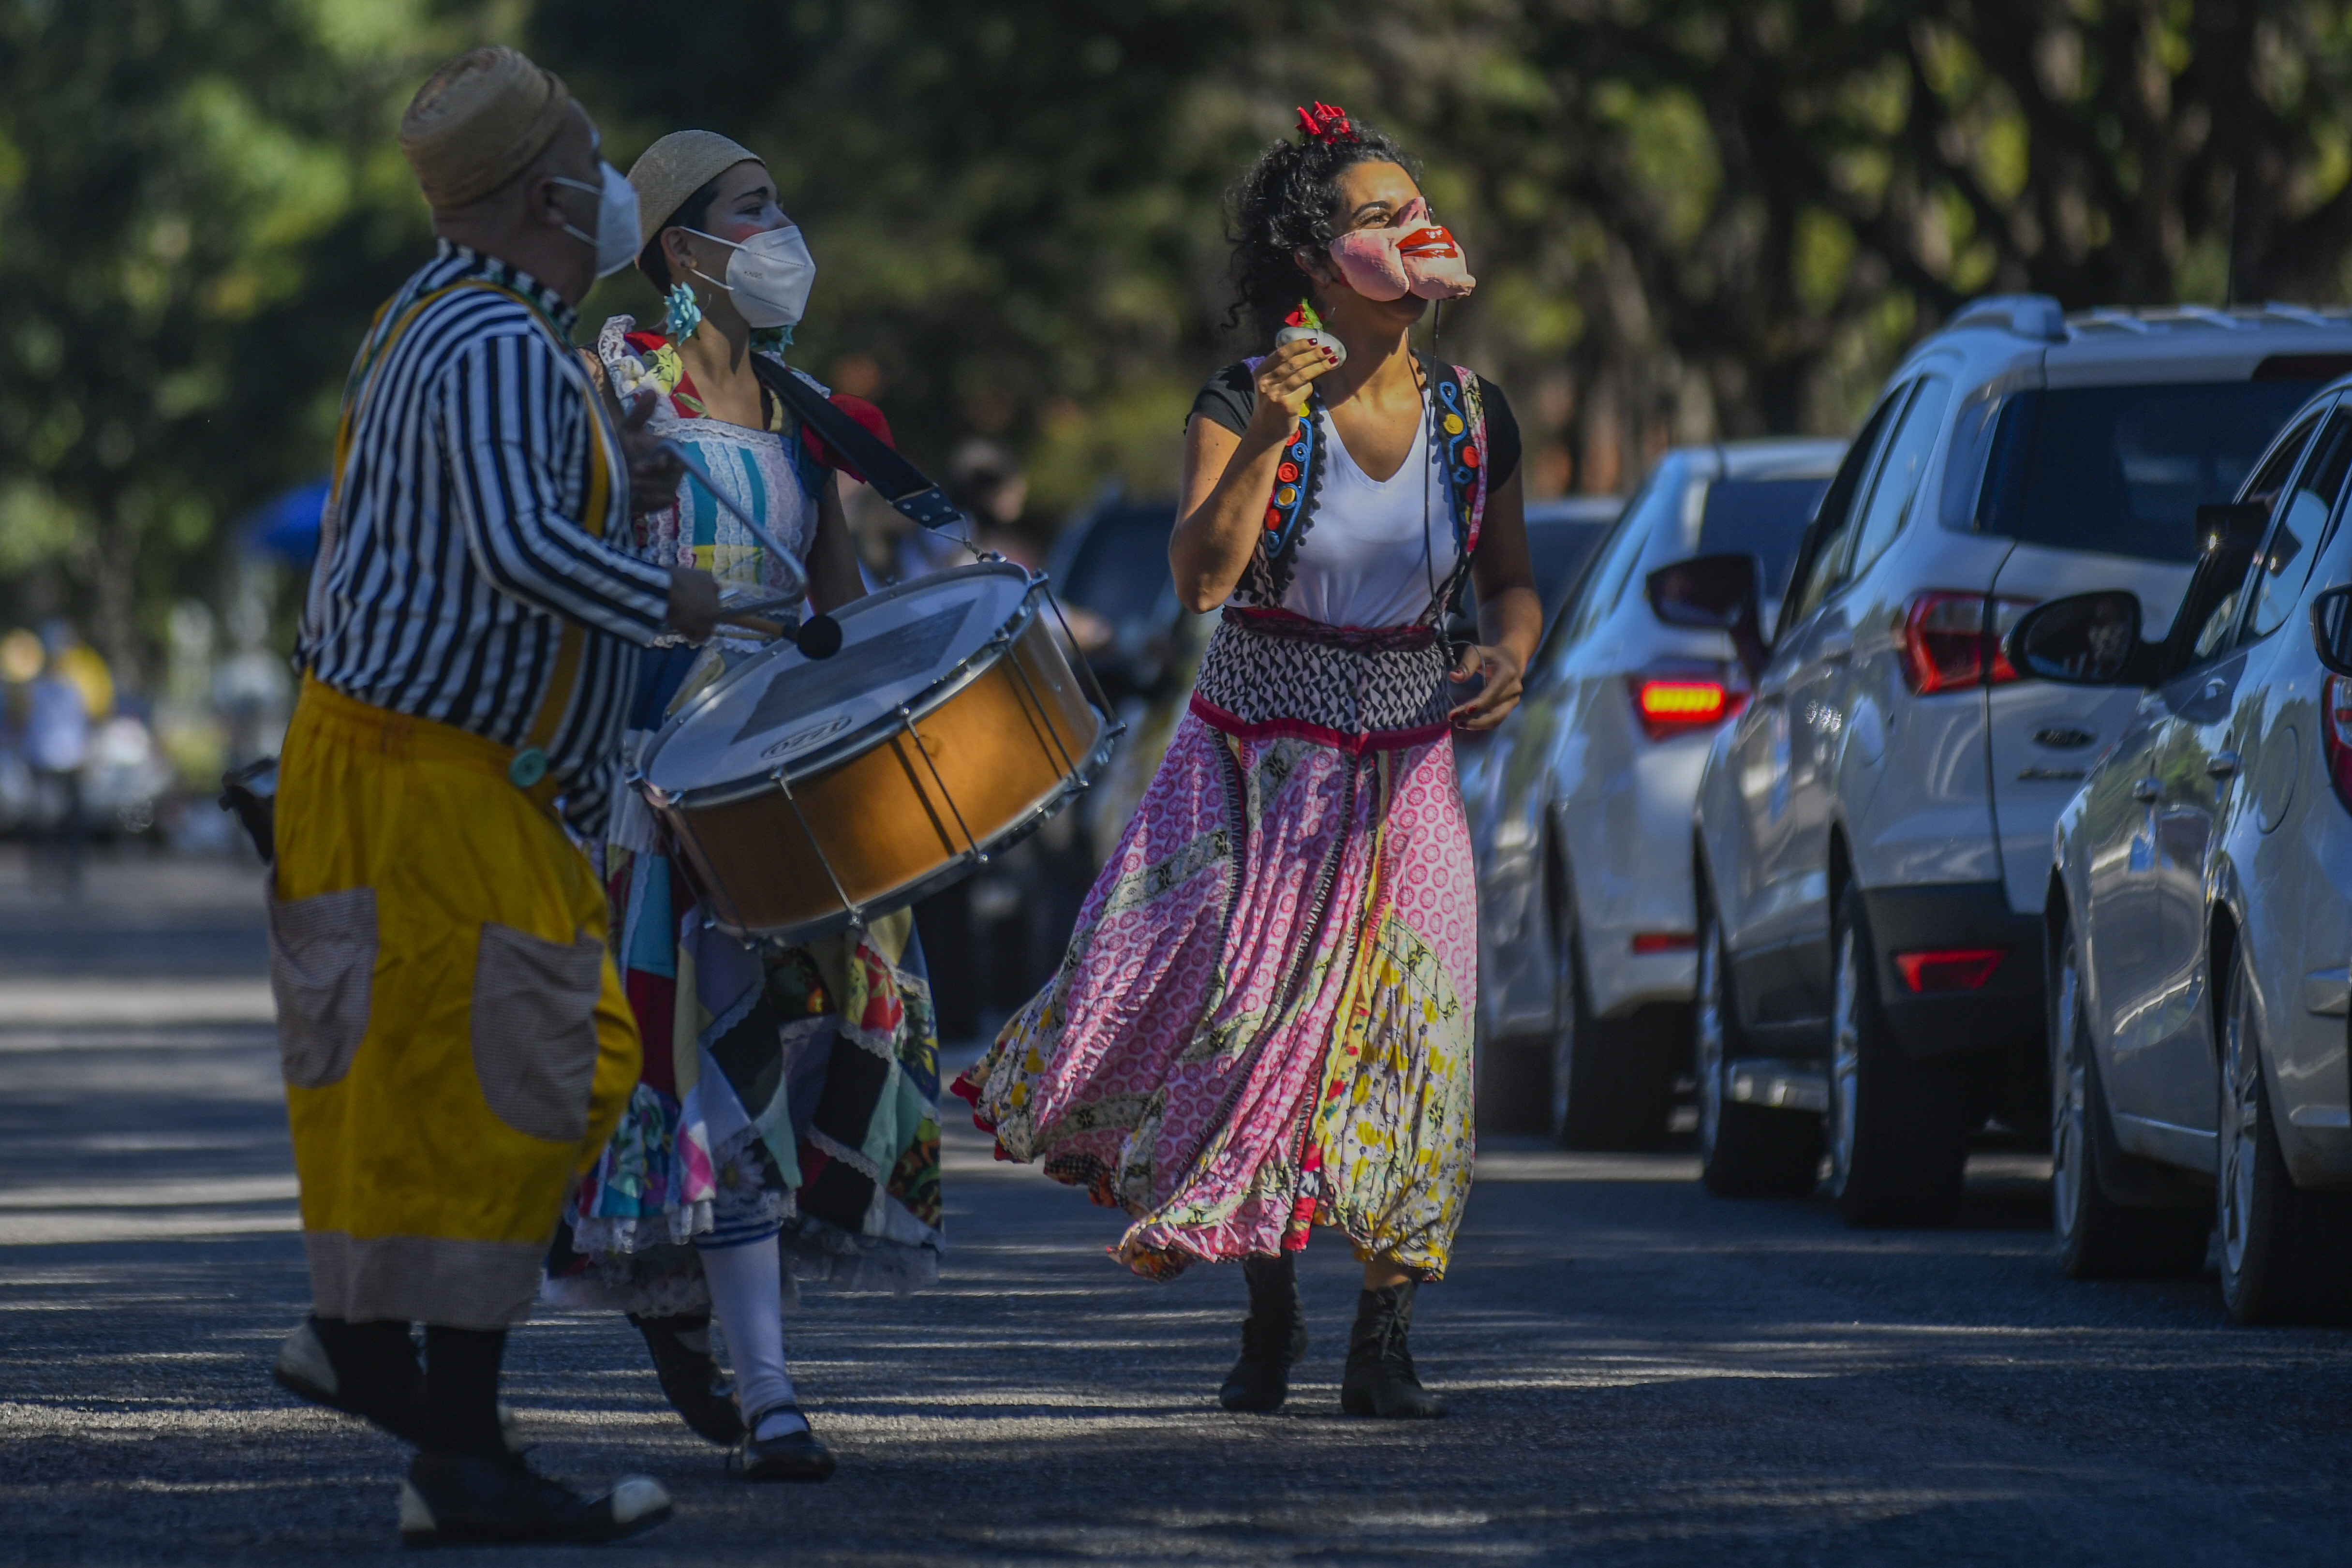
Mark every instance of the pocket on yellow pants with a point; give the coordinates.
(322, 973)
(534, 1029)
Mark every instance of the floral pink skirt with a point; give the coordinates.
(1263, 1018)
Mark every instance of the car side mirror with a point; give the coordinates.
(2331, 629)
(1714, 592)
(2085, 640)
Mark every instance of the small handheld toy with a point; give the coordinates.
(1303, 322)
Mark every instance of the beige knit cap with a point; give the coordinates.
(674, 168)
(479, 122)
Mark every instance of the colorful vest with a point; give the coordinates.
(1459, 431)
(1269, 672)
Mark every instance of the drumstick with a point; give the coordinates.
(759, 624)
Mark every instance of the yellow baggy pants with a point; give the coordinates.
(456, 1041)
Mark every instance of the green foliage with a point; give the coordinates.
(1688, 218)
(193, 223)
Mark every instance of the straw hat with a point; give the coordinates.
(674, 168)
(479, 122)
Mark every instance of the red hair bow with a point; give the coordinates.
(1325, 122)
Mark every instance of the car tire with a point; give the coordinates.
(1612, 1080)
(1897, 1153)
(2286, 1253)
(2099, 1238)
(1744, 1151)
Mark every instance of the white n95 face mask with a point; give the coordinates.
(615, 239)
(770, 275)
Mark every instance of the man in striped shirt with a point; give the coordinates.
(456, 1042)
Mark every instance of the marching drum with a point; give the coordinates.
(813, 795)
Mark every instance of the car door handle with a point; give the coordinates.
(2147, 789)
(1835, 645)
(2215, 688)
(2222, 764)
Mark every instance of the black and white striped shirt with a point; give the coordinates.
(458, 552)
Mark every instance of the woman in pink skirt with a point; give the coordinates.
(1264, 1020)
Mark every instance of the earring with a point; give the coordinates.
(685, 313)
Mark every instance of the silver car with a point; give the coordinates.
(1872, 831)
(1587, 949)
(2200, 910)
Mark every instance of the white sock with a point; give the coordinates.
(747, 1297)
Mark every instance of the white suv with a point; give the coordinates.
(1873, 834)
(1584, 978)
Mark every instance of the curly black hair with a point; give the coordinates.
(1285, 203)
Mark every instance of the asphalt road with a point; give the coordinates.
(1640, 1374)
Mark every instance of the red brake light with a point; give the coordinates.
(1666, 942)
(1949, 969)
(2336, 734)
(1672, 704)
(1946, 642)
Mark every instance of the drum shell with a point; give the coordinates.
(1009, 741)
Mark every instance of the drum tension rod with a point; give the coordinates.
(1086, 671)
(1044, 715)
(856, 915)
(906, 717)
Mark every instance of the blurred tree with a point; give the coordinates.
(1689, 218)
(200, 202)
(1795, 188)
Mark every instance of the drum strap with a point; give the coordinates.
(896, 480)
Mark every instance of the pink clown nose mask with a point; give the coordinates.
(1413, 256)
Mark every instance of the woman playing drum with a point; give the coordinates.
(771, 1076)
(1264, 1020)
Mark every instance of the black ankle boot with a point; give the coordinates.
(1380, 1380)
(1274, 1336)
(689, 1377)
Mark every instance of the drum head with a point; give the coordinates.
(780, 708)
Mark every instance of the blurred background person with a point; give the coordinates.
(63, 698)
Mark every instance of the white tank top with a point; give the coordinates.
(1375, 551)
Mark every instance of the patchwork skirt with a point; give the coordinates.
(1263, 1021)
(789, 1096)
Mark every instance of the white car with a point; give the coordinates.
(1873, 832)
(1586, 937)
(2200, 912)
(1563, 533)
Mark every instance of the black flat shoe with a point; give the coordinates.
(795, 1456)
(1380, 1379)
(1274, 1338)
(690, 1379)
(471, 1500)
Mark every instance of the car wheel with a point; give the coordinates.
(1744, 1151)
(2099, 1238)
(1613, 1084)
(2285, 1251)
(1897, 1155)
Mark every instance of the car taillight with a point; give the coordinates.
(2336, 734)
(1673, 702)
(1948, 969)
(1946, 642)
(1649, 941)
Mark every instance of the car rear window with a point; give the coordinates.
(2123, 470)
(1765, 518)
(1557, 548)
